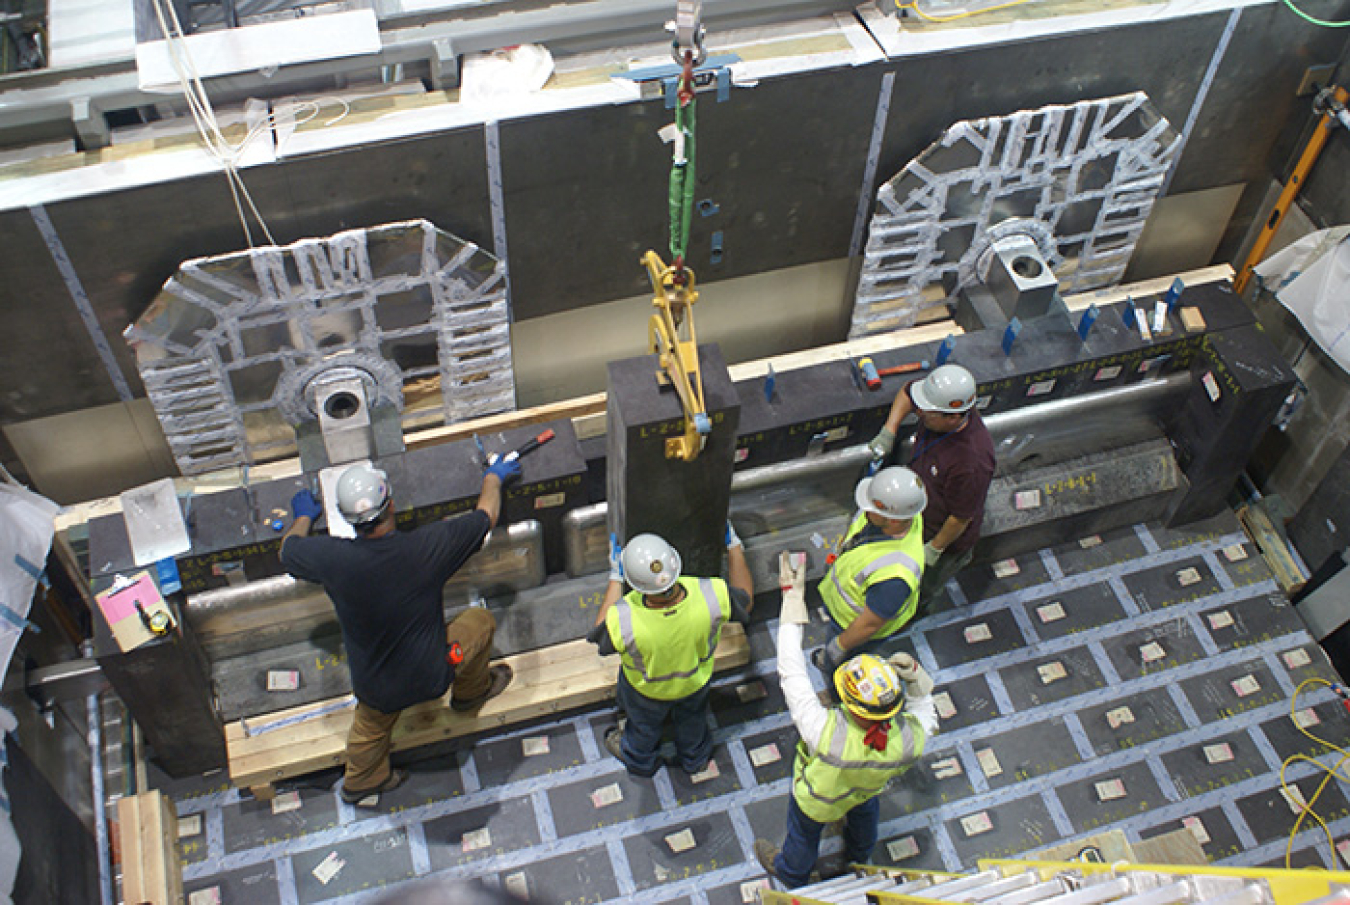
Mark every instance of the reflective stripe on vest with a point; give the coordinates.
(865, 562)
(827, 785)
(635, 661)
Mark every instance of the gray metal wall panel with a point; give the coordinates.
(48, 364)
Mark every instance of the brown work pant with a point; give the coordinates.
(372, 731)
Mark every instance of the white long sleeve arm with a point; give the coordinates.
(807, 712)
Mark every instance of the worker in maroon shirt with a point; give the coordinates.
(953, 455)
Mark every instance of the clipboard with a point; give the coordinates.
(118, 604)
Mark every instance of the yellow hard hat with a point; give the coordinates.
(869, 687)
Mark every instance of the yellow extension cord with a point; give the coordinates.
(914, 5)
(1331, 772)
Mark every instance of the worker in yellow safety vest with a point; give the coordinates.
(847, 754)
(666, 631)
(872, 587)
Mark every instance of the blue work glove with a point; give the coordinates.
(829, 658)
(504, 467)
(731, 538)
(303, 505)
(615, 559)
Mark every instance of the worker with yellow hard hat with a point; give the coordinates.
(848, 753)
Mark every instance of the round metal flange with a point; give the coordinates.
(295, 393)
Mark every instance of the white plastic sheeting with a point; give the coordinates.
(26, 530)
(1312, 279)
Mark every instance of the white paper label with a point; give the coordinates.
(533, 747)
(283, 679)
(1246, 685)
(1051, 672)
(517, 884)
(1343, 849)
(1197, 828)
(1221, 619)
(988, 762)
(976, 824)
(750, 889)
(328, 868)
(1211, 386)
(1027, 499)
(191, 825)
(1218, 754)
(1296, 658)
(1119, 717)
(550, 500)
(1306, 717)
(1293, 796)
(1188, 576)
(709, 772)
(477, 839)
(904, 848)
(286, 801)
(682, 841)
(1151, 652)
(751, 691)
(606, 796)
(1041, 388)
(208, 896)
(1006, 568)
(942, 701)
(1110, 373)
(1110, 789)
(765, 754)
(947, 768)
(1051, 612)
(977, 633)
(1235, 552)
(1088, 543)
(817, 540)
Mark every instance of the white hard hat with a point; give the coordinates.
(895, 493)
(650, 564)
(950, 388)
(363, 494)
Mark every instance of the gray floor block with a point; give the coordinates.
(1130, 721)
(1024, 752)
(683, 849)
(1212, 830)
(970, 700)
(576, 877)
(1110, 797)
(256, 885)
(1098, 551)
(1178, 582)
(1231, 690)
(1155, 649)
(976, 638)
(481, 833)
(1003, 830)
(602, 800)
(914, 849)
(250, 823)
(1075, 610)
(939, 779)
(1045, 680)
(355, 864)
(1271, 812)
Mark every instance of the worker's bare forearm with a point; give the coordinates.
(612, 594)
(951, 529)
(490, 498)
(738, 574)
(900, 408)
(862, 630)
(300, 526)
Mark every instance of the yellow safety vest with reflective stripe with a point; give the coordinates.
(845, 771)
(668, 653)
(844, 587)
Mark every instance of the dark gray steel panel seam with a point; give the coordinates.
(493, 141)
(80, 298)
(870, 170)
(1201, 94)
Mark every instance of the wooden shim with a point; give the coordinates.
(551, 680)
(1272, 548)
(1112, 294)
(148, 827)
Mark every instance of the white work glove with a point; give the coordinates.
(615, 559)
(918, 683)
(882, 444)
(930, 554)
(792, 579)
(732, 539)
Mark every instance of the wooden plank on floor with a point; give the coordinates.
(148, 827)
(547, 681)
(1174, 848)
(1272, 548)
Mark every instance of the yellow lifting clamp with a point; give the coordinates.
(673, 297)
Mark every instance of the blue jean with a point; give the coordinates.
(646, 721)
(802, 845)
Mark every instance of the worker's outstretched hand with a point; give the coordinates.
(930, 554)
(792, 579)
(304, 505)
(882, 444)
(731, 538)
(615, 559)
(505, 468)
(918, 683)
